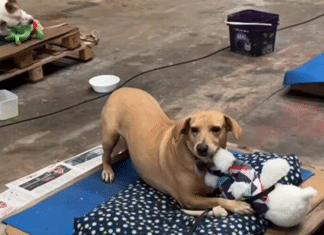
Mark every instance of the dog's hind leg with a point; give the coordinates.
(110, 138)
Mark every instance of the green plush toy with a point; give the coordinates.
(24, 32)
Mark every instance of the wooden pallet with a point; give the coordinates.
(59, 42)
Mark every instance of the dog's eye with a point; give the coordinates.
(215, 129)
(194, 130)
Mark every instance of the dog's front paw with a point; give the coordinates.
(240, 207)
(108, 175)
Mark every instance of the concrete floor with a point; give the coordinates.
(140, 35)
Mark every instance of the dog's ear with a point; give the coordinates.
(233, 126)
(181, 128)
(11, 6)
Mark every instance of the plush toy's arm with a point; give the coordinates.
(11, 36)
(223, 160)
(237, 189)
(211, 180)
(21, 34)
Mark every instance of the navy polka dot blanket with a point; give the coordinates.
(140, 209)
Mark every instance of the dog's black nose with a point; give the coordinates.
(30, 21)
(202, 149)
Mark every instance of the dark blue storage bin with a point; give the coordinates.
(253, 32)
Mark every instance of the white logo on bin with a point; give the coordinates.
(243, 42)
(242, 36)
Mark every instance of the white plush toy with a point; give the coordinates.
(286, 205)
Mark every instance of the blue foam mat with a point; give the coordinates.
(309, 73)
(55, 215)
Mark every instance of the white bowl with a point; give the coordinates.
(104, 83)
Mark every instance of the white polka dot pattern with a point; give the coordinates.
(142, 210)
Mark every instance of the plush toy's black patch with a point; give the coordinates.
(257, 160)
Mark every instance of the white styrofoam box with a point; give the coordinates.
(8, 105)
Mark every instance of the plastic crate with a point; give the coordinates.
(253, 32)
(8, 105)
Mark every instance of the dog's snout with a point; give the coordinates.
(202, 149)
(30, 21)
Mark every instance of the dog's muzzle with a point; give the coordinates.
(202, 150)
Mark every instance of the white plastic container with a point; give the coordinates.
(8, 105)
(104, 83)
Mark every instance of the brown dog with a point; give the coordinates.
(164, 152)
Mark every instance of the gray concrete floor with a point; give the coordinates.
(140, 35)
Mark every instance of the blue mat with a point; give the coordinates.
(309, 73)
(55, 216)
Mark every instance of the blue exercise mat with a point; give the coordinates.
(55, 215)
(309, 73)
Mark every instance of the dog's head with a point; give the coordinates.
(11, 15)
(205, 132)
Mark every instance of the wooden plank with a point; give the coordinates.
(312, 222)
(72, 42)
(314, 89)
(14, 231)
(86, 54)
(11, 49)
(36, 74)
(23, 59)
(316, 182)
(41, 62)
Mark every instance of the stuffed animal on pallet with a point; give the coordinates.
(24, 32)
(283, 205)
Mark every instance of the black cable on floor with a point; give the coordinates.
(301, 23)
(255, 107)
(123, 84)
(152, 70)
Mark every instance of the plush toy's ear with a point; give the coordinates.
(309, 192)
(233, 126)
(223, 160)
(11, 6)
(181, 129)
(273, 170)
